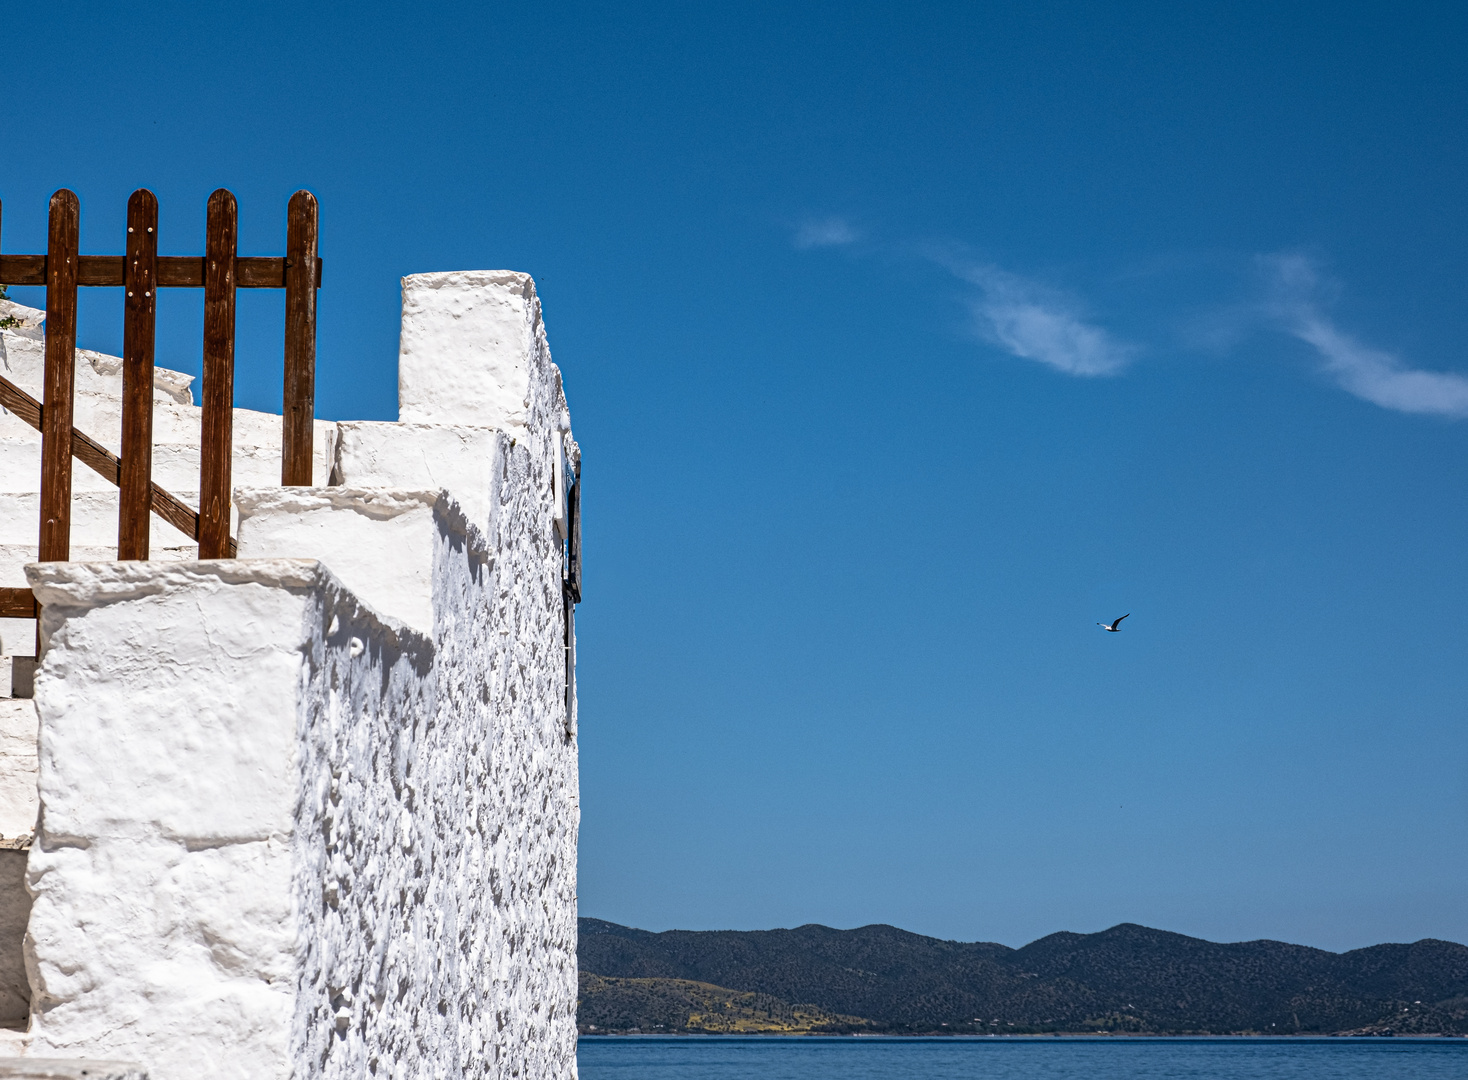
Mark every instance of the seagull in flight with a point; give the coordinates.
(1114, 628)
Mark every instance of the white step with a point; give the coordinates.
(256, 440)
(23, 362)
(175, 465)
(93, 521)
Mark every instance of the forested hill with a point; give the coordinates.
(1128, 978)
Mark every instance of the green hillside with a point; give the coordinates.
(1129, 978)
(680, 1005)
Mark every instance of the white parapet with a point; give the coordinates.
(465, 355)
(165, 922)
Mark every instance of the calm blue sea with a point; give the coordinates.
(765, 1058)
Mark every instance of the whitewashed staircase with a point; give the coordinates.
(94, 505)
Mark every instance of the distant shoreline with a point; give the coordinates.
(1060, 1036)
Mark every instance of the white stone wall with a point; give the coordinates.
(314, 813)
(508, 813)
(446, 885)
(488, 321)
(164, 927)
(18, 809)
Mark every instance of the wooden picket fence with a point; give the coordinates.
(142, 272)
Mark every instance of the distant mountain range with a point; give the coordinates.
(1126, 979)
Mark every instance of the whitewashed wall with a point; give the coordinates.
(292, 828)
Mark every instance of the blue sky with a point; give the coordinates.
(905, 343)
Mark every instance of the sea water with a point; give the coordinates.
(866, 1058)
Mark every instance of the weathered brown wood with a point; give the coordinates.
(20, 403)
(573, 546)
(216, 443)
(22, 269)
(17, 604)
(568, 629)
(140, 286)
(298, 405)
(174, 271)
(60, 376)
(102, 461)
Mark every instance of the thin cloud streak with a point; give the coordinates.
(1369, 373)
(1033, 322)
(825, 232)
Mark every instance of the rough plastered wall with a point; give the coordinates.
(503, 1002)
(446, 945)
(18, 808)
(286, 833)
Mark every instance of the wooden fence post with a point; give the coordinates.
(63, 241)
(298, 406)
(140, 282)
(221, 247)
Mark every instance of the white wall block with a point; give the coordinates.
(465, 352)
(163, 928)
(455, 458)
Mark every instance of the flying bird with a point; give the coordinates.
(1114, 628)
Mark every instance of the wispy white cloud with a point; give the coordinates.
(1035, 322)
(825, 232)
(1373, 375)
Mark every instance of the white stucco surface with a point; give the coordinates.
(378, 541)
(464, 354)
(161, 869)
(456, 458)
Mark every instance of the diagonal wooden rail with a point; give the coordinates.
(104, 462)
(18, 603)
